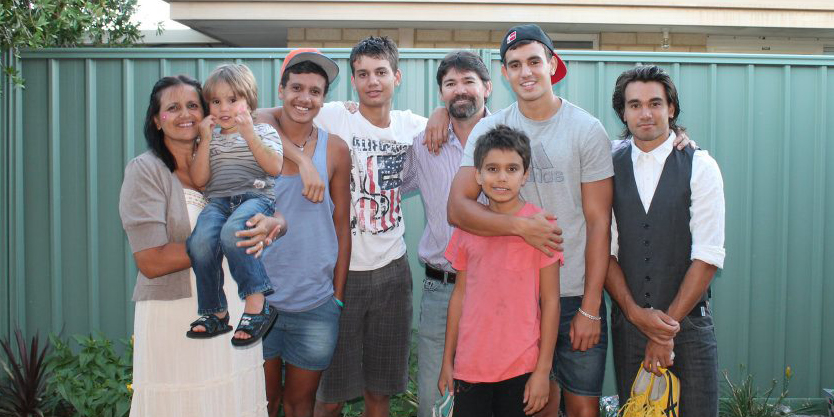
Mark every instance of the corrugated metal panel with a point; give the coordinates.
(6, 117)
(768, 121)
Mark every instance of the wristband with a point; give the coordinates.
(590, 316)
(339, 302)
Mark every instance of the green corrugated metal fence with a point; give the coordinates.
(768, 121)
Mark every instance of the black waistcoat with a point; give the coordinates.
(654, 247)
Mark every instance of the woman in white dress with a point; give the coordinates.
(172, 374)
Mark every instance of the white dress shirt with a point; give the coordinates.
(707, 210)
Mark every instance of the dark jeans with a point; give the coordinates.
(695, 363)
(484, 399)
(213, 237)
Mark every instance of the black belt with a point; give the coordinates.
(436, 274)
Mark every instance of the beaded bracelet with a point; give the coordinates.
(590, 316)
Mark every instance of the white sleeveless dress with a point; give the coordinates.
(180, 377)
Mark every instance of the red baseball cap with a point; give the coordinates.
(313, 55)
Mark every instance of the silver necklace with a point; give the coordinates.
(310, 136)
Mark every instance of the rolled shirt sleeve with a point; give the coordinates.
(707, 210)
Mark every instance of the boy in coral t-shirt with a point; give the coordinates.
(504, 312)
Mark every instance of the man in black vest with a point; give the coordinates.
(667, 243)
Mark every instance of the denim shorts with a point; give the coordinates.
(305, 339)
(577, 372)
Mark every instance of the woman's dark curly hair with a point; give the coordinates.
(154, 135)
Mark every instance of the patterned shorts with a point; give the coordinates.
(374, 335)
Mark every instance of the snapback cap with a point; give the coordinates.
(313, 55)
(534, 33)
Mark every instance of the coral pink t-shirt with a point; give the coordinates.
(499, 328)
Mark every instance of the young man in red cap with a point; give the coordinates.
(570, 177)
(371, 356)
(310, 262)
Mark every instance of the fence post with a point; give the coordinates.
(5, 201)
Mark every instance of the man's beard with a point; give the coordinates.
(460, 110)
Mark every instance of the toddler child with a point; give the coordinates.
(504, 311)
(237, 162)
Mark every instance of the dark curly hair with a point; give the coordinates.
(154, 135)
(645, 73)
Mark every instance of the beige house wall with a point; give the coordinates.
(756, 26)
(652, 41)
(405, 38)
(816, 15)
(468, 38)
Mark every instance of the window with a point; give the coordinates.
(581, 41)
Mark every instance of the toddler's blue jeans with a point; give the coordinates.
(213, 237)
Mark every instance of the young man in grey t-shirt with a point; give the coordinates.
(570, 178)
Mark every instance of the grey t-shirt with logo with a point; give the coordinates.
(569, 149)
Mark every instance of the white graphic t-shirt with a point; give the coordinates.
(377, 156)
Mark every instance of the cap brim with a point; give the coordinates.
(328, 65)
(561, 71)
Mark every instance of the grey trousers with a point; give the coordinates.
(695, 363)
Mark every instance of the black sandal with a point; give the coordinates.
(255, 325)
(214, 326)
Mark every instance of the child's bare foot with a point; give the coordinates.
(200, 328)
(254, 305)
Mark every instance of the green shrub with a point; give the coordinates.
(744, 400)
(95, 381)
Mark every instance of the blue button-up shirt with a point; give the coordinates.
(432, 175)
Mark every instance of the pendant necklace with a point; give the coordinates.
(310, 136)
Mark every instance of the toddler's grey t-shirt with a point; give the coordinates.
(234, 169)
(569, 149)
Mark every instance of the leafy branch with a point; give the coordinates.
(64, 23)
